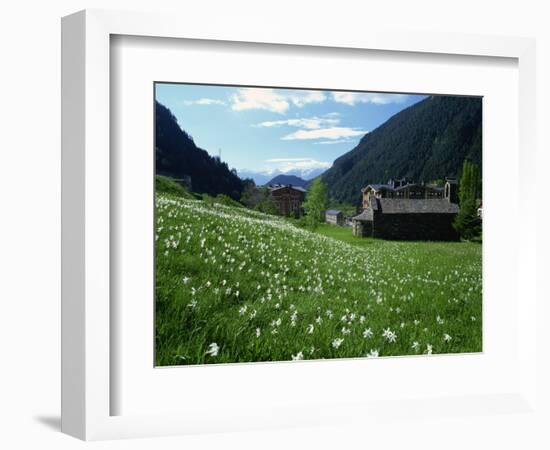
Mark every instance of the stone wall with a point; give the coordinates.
(361, 228)
(425, 227)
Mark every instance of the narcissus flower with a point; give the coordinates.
(213, 349)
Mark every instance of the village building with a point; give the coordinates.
(408, 211)
(288, 199)
(404, 189)
(334, 217)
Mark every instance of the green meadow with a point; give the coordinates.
(236, 285)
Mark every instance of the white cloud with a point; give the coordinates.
(352, 98)
(336, 141)
(273, 100)
(331, 133)
(311, 123)
(303, 166)
(205, 101)
(302, 98)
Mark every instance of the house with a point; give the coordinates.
(288, 199)
(408, 211)
(334, 217)
(404, 189)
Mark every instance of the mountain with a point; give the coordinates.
(262, 178)
(177, 156)
(425, 142)
(288, 179)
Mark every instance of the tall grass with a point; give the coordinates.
(237, 285)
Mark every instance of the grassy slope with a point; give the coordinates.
(226, 274)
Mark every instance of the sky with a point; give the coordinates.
(272, 131)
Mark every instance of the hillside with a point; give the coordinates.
(236, 285)
(177, 156)
(424, 142)
(288, 179)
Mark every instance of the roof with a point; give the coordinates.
(421, 206)
(428, 186)
(333, 212)
(296, 188)
(377, 187)
(389, 187)
(365, 215)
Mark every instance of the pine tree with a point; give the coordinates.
(467, 222)
(316, 202)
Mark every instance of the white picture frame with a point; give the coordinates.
(87, 386)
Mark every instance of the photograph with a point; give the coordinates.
(302, 223)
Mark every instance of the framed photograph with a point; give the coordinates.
(301, 250)
(264, 230)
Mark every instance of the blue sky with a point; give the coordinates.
(275, 131)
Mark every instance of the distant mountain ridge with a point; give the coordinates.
(262, 178)
(288, 179)
(177, 156)
(427, 141)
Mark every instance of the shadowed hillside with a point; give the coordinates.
(177, 156)
(425, 142)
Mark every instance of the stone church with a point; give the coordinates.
(403, 210)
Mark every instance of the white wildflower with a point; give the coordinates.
(337, 342)
(373, 353)
(213, 349)
(310, 328)
(389, 335)
(298, 356)
(367, 333)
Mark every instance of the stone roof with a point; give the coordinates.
(377, 187)
(366, 215)
(428, 186)
(332, 212)
(389, 187)
(412, 206)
